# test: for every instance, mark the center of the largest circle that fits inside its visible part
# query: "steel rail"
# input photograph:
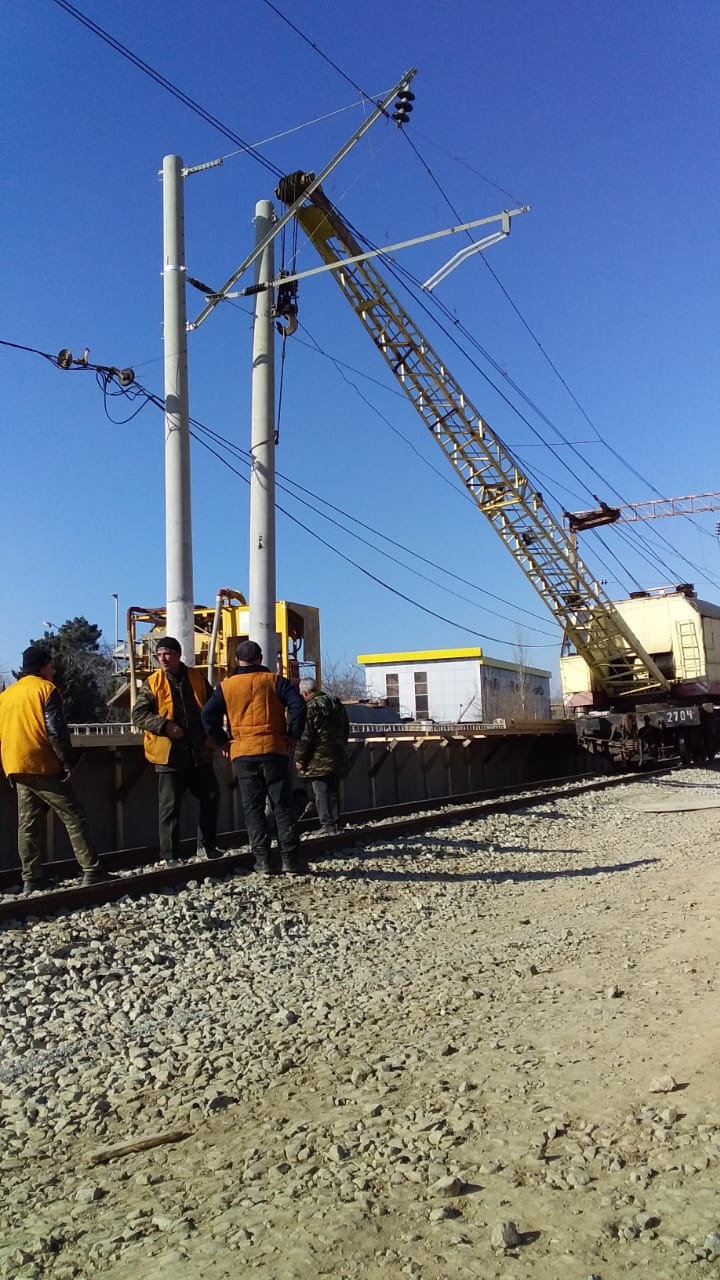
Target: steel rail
(394, 820)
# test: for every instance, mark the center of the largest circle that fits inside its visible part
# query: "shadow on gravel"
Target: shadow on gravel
(447, 877)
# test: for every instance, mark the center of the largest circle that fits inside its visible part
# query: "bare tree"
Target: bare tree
(343, 680)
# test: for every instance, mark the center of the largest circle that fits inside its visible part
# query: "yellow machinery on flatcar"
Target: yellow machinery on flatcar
(217, 632)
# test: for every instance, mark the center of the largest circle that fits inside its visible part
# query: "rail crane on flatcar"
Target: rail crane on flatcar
(648, 709)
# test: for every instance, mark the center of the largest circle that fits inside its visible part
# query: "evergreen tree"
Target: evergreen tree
(84, 673)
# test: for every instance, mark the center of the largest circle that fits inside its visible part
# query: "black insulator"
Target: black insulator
(403, 106)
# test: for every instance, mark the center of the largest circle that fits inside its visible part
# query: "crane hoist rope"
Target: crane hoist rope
(620, 665)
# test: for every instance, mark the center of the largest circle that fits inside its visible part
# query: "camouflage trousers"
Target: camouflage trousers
(36, 793)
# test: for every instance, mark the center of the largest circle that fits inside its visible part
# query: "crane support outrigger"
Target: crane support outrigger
(621, 667)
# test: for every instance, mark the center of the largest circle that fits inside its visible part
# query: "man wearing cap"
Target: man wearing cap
(265, 714)
(168, 709)
(37, 757)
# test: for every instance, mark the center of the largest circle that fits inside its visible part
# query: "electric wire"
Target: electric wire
(137, 390)
(104, 376)
(361, 568)
(168, 85)
(174, 89)
(325, 56)
(448, 480)
(290, 485)
(251, 149)
(654, 533)
(464, 163)
(330, 61)
(276, 137)
(402, 274)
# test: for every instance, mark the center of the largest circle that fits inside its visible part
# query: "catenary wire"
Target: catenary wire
(209, 118)
(307, 124)
(174, 89)
(366, 572)
(288, 486)
(655, 533)
(400, 274)
(168, 85)
(137, 390)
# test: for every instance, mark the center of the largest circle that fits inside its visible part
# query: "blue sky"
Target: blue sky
(602, 117)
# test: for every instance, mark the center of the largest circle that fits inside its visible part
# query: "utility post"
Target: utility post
(116, 598)
(262, 577)
(178, 526)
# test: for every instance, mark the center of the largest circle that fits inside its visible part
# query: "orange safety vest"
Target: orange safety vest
(157, 746)
(24, 743)
(256, 715)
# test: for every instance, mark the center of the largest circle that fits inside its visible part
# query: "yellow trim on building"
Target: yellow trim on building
(442, 655)
(420, 655)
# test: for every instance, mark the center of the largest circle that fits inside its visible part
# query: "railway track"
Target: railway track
(363, 828)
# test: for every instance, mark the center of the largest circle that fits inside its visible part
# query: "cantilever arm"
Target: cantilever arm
(476, 247)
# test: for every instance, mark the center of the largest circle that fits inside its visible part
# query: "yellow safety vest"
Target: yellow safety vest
(157, 746)
(24, 743)
(258, 726)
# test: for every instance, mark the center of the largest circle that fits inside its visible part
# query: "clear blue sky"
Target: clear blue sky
(602, 117)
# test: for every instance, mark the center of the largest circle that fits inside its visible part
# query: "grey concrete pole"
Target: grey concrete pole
(178, 526)
(262, 579)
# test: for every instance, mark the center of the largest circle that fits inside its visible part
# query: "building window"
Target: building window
(392, 692)
(421, 695)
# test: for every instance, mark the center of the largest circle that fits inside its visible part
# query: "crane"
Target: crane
(655, 509)
(621, 667)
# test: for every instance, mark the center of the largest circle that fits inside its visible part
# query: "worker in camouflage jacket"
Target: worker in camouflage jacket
(321, 755)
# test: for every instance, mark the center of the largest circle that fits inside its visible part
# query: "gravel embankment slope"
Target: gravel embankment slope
(509, 1020)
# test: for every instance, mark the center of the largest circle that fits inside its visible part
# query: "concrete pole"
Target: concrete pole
(178, 526)
(262, 584)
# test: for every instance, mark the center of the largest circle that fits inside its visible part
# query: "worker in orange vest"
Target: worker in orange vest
(168, 709)
(265, 715)
(38, 759)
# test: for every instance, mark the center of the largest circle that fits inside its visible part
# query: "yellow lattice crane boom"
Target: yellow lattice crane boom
(620, 665)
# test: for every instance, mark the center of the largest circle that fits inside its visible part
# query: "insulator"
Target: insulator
(64, 358)
(125, 377)
(403, 106)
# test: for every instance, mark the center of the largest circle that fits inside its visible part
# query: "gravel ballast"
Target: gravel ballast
(486, 1051)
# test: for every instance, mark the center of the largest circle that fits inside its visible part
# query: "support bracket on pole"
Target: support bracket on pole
(476, 247)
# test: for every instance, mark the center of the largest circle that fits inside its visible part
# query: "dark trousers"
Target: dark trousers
(325, 791)
(172, 785)
(36, 793)
(261, 779)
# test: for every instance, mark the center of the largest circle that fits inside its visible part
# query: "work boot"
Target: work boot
(264, 865)
(294, 864)
(96, 875)
(211, 853)
(171, 861)
(37, 884)
(329, 829)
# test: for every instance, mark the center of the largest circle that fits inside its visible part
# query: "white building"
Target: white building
(456, 685)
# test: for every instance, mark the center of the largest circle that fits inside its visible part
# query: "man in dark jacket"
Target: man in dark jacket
(37, 757)
(168, 709)
(265, 714)
(321, 754)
